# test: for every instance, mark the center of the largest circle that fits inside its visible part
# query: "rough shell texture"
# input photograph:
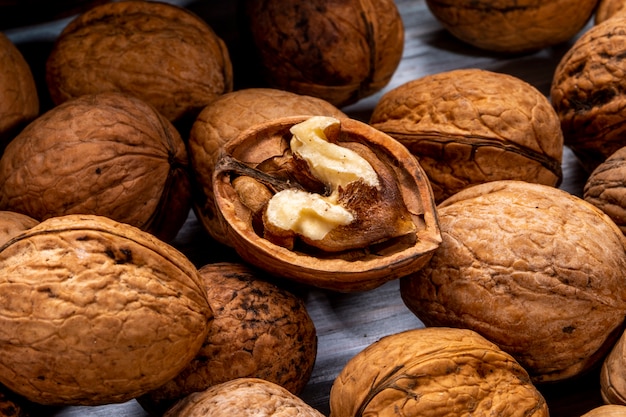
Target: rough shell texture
(95, 311)
(609, 410)
(339, 51)
(609, 8)
(349, 270)
(513, 26)
(434, 372)
(613, 374)
(12, 224)
(260, 331)
(19, 100)
(159, 52)
(588, 93)
(470, 126)
(605, 187)
(532, 268)
(224, 119)
(245, 397)
(107, 154)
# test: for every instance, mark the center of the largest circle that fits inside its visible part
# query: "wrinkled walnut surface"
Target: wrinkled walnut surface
(434, 372)
(609, 8)
(470, 126)
(608, 410)
(12, 224)
(532, 268)
(613, 374)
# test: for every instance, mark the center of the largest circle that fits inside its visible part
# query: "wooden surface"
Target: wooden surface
(347, 323)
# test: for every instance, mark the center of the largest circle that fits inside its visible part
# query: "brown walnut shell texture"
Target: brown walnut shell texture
(609, 8)
(532, 268)
(12, 224)
(259, 331)
(434, 372)
(513, 26)
(338, 51)
(470, 126)
(94, 311)
(108, 154)
(19, 100)
(224, 119)
(608, 410)
(587, 92)
(161, 53)
(245, 397)
(613, 374)
(351, 270)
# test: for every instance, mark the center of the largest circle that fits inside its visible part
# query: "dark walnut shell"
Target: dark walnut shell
(513, 26)
(532, 268)
(95, 311)
(224, 119)
(12, 224)
(338, 51)
(588, 93)
(608, 410)
(471, 126)
(259, 331)
(406, 200)
(108, 154)
(161, 53)
(434, 372)
(244, 397)
(609, 8)
(19, 100)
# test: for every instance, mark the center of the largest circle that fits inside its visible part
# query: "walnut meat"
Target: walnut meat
(471, 126)
(434, 372)
(513, 26)
(259, 331)
(530, 267)
(108, 154)
(95, 311)
(161, 53)
(338, 51)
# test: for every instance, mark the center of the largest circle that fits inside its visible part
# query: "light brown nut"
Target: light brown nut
(532, 268)
(108, 154)
(94, 311)
(587, 92)
(224, 119)
(245, 397)
(613, 374)
(513, 26)
(609, 410)
(19, 100)
(338, 51)
(609, 8)
(161, 53)
(470, 126)
(12, 224)
(260, 331)
(434, 372)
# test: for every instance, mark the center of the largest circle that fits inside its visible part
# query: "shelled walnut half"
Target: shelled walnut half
(335, 204)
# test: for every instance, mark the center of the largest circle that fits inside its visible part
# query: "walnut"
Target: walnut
(532, 268)
(608, 410)
(612, 374)
(107, 154)
(12, 224)
(609, 8)
(434, 372)
(470, 126)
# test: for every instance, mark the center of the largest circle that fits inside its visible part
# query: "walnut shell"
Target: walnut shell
(608, 410)
(224, 119)
(108, 154)
(338, 51)
(612, 374)
(159, 52)
(12, 224)
(356, 269)
(260, 331)
(470, 126)
(245, 397)
(19, 100)
(95, 311)
(609, 8)
(434, 372)
(513, 26)
(532, 268)
(587, 93)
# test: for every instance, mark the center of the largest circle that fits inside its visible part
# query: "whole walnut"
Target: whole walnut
(513, 26)
(159, 52)
(224, 119)
(613, 374)
(470, 126)
(259, 331)
(19, 100)
(609, 8)
(108, 154)
(12, 224)
(435, 372)
(587, 92)
(532, 268)
(339, 51)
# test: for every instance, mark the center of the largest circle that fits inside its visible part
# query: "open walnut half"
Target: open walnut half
(332, 203)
